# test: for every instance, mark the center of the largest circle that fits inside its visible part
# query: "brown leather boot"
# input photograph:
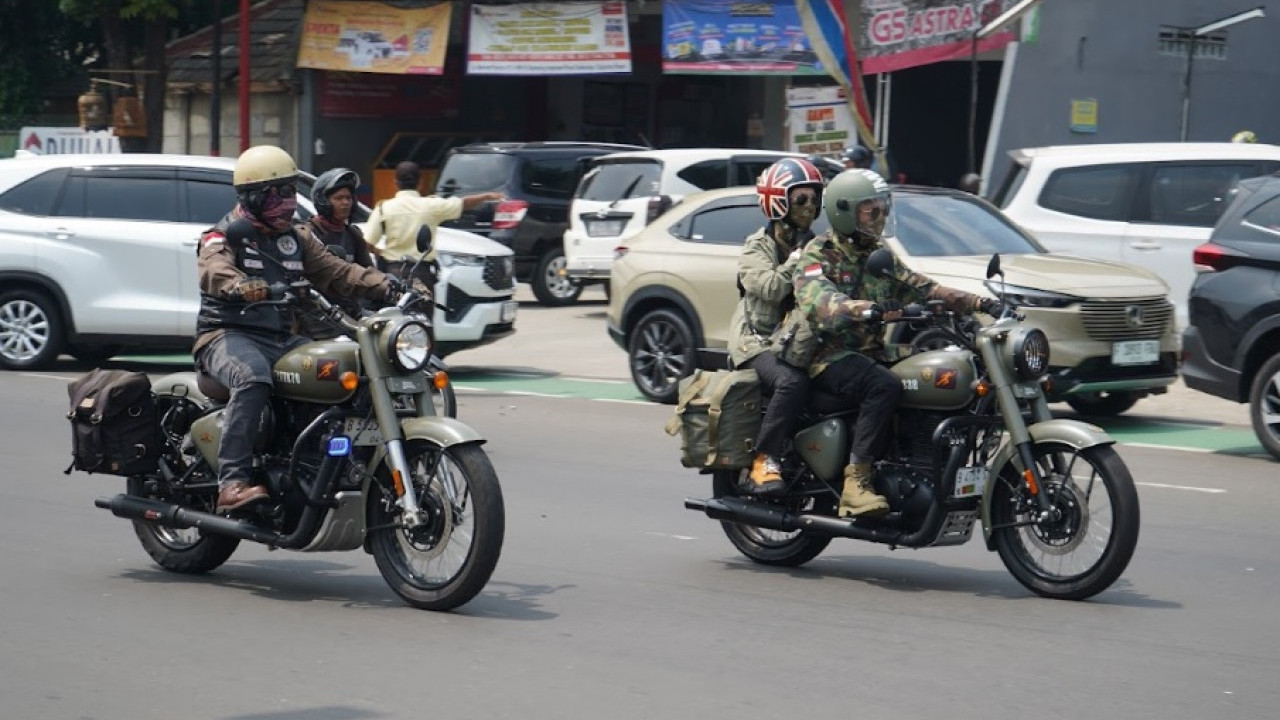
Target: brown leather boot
(236, 495)
(858, 499)
(766, 475)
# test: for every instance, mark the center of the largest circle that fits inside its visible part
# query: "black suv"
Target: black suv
(538, 179)
(1231, 347)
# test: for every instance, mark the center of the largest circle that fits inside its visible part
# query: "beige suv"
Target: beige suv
(1110, 325)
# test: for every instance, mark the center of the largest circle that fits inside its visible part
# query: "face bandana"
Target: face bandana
(277, 212)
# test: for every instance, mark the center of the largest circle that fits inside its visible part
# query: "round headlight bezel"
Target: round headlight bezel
(1029, 350)
(406, 363)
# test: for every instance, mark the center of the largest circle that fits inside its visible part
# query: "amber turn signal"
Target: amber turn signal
(982, 388)
(349, 380)
(440, 380)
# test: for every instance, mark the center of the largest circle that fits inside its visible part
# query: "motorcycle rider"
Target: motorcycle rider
(789, 193)
(333, 196)
(238, 341)
(856, 156)
(833, 290)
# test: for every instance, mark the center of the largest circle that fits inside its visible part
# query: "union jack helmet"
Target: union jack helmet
(778, 179)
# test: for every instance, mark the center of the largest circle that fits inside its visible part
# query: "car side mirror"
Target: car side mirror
(880, 263)
(424, 239)
(241, 233)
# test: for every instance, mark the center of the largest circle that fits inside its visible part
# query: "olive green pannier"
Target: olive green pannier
(718, 417)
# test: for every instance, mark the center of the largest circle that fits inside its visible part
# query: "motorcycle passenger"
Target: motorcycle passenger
(333, 196)
(856, 156)
(789, 193)
(237, 342)
(833, 290)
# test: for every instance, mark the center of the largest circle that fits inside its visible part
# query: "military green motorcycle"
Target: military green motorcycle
(354, 453)
(974, 440)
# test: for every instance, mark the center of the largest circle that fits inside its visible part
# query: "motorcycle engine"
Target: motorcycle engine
(915, 438)
(908, 491)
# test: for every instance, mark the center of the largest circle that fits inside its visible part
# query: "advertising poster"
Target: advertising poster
(580, 38)
(819, 121)
(713, 37)
(899, 34)
(374, 37)
(67, 141)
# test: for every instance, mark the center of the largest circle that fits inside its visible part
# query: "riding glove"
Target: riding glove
(251, 290)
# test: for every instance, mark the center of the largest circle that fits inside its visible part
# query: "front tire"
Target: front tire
(1103, 404)
(767, 547)
(1086, 547)
(445, 561)
(551, 285)
(186, 551)
(1264, 405)
(32, 333)
(660, 352)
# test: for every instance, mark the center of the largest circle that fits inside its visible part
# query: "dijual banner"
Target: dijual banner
(898, 34)
(374, 37)
(549, 39)
(819, 121)
(717, 37)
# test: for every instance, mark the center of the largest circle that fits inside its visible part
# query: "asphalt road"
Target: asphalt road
(611, 600)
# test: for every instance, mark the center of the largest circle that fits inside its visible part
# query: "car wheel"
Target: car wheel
(551, 285)
(660, 352)
(1102, 404)
(1264, 405)
(31, 334)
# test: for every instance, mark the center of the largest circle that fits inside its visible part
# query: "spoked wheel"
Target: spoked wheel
(446, 560)
(186, 550)
(1088, 541)
(772, 547)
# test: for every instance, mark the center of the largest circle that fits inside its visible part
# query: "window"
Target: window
(706, 175)
(1266, 216)
(1101, 192)
(1192, 194)
(469, 173)
(620, 181)
(1012, 184)
(35, 196)
(726, 225)
(550, 177)
(122, 198)
(745, 172)
(208, 202)
(943, 225)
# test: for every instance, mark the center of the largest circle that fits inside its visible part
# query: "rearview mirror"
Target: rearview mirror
(880, 263)
(424, 239)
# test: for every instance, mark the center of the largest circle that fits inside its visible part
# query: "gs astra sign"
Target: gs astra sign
(67, 140)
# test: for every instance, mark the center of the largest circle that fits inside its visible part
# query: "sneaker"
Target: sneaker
(766, 475)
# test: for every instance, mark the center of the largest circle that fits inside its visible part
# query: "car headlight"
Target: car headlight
(409, 346)
(450, 259)
(1031, 297)
(1029, 351)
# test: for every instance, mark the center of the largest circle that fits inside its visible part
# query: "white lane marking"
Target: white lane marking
(1154, 446)
(669, 535)
(1181, 487)
(48, 377)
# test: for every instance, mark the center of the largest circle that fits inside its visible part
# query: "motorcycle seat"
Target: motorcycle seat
(211, 388)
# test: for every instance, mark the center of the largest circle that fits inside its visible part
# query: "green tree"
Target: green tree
(38, 48)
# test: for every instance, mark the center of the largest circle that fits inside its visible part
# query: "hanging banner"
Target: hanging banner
(719, 37)
(819, 121)
(580, 38)
(898, 34)
(827, 25)
(67, 141)
(373, 37)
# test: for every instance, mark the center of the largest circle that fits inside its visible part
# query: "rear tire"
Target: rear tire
(32, 333)
(550, 285)
(186, 551)
(1103, 404)
(767, 547)
(1264, 405)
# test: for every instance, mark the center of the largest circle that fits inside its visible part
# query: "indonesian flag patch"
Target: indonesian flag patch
(813, 270)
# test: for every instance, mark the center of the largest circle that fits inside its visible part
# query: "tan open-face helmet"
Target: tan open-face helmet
(263, 165)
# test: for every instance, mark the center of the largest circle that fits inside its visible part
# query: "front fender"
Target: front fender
(1073, 433)
(436, 429)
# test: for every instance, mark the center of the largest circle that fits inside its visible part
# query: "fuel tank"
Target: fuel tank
(311, 373)
(937, 379)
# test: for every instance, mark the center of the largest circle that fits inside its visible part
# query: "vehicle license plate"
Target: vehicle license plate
(1135, 352)
(362, 431)
(971, 481)
(604, 228)
(508, 313)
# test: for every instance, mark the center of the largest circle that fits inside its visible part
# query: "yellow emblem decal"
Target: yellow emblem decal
(926, 374)
(307, 362)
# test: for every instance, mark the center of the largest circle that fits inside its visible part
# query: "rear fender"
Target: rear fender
(181, 384)
(1072, 433)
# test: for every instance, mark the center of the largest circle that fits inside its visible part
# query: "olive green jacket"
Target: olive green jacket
(766, 276)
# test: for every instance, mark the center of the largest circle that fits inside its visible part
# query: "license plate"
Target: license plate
(362, 431)
(971, 481)
(508, 313)
(604, 228)
(1135, 352)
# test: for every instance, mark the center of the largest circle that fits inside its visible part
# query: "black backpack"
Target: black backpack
(115, 427)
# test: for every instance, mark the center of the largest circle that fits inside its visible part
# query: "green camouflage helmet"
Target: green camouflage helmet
(846, 192)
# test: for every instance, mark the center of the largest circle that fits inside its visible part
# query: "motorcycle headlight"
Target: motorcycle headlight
(1029, 348)
(409, 347)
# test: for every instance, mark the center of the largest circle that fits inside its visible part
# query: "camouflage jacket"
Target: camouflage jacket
(766, 277)
(833, 290)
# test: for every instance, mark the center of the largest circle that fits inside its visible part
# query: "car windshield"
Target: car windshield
(935, 225)
(620, 180)
(469, 173)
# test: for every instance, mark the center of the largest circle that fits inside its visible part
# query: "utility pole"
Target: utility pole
(1194, 34)
(245, 80)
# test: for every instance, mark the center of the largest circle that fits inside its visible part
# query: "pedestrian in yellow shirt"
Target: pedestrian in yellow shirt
(393, 225)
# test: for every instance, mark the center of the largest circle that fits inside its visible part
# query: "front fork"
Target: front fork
(384, 410)
(1011, 410)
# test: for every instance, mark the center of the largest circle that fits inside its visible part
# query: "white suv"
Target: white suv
(622, 193)
(1148, 204)
(98, 258)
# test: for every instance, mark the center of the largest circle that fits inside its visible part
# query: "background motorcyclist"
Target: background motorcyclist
(856, 156)
(238, 341)
(834, 289)
(334, 196)
(789, 192)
